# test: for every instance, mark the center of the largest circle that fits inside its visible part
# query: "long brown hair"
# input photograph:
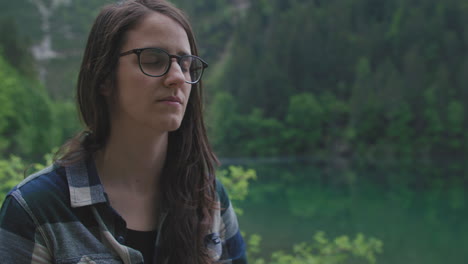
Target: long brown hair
(188, 180)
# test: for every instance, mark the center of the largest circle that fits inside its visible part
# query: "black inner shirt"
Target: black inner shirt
(142, 241)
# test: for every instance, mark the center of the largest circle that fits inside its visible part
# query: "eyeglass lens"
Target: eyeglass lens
(156, 62)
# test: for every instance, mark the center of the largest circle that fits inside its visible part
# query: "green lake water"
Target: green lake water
(419, 211)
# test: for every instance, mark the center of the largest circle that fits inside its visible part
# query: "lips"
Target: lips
(173, 99)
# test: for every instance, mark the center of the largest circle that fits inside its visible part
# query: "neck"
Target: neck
(131, 161)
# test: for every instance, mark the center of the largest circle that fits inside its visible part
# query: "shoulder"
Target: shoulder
(222, 195)
(26, 208)
(43, 186)
(51, 175)
(40, 195)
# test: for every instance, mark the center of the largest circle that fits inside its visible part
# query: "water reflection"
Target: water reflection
(418, 209)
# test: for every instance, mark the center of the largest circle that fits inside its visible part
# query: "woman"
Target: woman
(138, 185)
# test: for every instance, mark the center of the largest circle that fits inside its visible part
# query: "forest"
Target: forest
(355, 82)
(290, 78)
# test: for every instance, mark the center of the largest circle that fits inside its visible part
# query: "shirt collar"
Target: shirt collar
(84, 184)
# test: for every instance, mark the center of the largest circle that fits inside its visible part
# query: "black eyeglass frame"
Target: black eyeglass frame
(177, 57)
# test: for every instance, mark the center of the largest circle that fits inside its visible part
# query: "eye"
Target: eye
(185, 63)
(154, 61)
(151, 58)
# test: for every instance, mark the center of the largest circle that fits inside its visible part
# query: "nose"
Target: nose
(175, 76)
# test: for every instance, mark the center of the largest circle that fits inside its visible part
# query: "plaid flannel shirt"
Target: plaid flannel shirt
(62, 215)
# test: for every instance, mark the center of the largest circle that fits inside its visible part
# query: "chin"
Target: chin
(172, 125)
(173, 129)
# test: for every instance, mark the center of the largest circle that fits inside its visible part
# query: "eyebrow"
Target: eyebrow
(180, 53)
(183, 53)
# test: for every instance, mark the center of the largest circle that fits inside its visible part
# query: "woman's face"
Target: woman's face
(144, 102)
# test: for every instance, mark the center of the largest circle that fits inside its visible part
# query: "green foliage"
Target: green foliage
(253, 244)
(236, 180)
(397, 91)
(232, 128)
(223, 123)
(11, 173)
(15, 49)
(66, 121)
(25, 110)
(322, 250)
(30, 123)
(266, 132)
(14, 169)
(376, 79)
(455, 123)
(304, 120)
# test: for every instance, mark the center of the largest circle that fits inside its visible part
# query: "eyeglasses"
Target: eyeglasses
(156, 62)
